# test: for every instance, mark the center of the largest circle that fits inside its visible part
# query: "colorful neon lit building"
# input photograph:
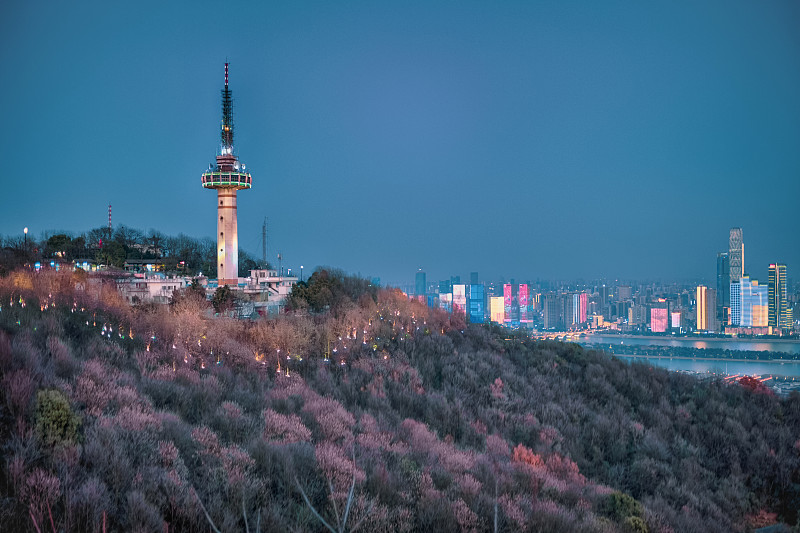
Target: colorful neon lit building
(525, 309)
(579, 303)
(497, 309)
(460, 299)
(659, 316)
(508, 300)
(227, 177)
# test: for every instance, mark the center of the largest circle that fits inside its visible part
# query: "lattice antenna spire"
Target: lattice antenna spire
(227, 117)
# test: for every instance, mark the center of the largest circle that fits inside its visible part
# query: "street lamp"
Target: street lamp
(301, 272)
(25, 231)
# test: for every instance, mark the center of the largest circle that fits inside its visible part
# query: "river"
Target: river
(699, 363)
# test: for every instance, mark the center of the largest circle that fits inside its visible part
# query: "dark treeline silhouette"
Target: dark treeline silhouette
(378, 415)
(180, 254)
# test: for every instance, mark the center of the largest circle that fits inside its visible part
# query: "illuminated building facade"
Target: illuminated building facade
(497, 309)
(702, 310)
(460, 299)
(446, 301)
(753, 302)
(525, 310)
(507, 299)
(659, 316)
(227, 177)
(780, 314)
(579, 303)
(706, 299)
(477, 303)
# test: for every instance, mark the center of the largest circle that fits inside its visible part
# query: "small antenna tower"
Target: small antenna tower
(109, 221)
(280, 263)
(264, 244)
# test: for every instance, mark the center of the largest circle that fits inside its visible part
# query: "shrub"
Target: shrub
(634, 524)
(619, 506)
(55, 422)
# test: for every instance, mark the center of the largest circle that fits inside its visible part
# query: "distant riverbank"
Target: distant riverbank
(694, 338)
(718, 359)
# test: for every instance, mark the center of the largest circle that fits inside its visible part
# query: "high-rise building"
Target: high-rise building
(577, 308)
(711, 305)
(736, 254)
(525, 309)
(723, 287)
(623, 293)
(473, 278)
(550, 311)
(706, 308)
(735, 292)
(749, 304)
(460, 299)
(445, 287)
(603, 294)
(702, 311)
(780, 314)
(420, 283)
(497, 309)
(511, 304)
(476, 303)
(227, 177)
(659, 316)
(675, 320)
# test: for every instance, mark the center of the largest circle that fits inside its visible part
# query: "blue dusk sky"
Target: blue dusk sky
(517, 139)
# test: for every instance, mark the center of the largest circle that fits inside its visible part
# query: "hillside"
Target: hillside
(375, 413)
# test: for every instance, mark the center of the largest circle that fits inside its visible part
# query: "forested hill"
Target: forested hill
(373, 414)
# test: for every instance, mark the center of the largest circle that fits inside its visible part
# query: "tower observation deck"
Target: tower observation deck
(227, 177)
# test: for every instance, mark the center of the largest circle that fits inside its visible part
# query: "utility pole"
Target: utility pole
(264, 244)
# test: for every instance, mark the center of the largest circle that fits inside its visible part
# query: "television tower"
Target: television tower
(227, 177)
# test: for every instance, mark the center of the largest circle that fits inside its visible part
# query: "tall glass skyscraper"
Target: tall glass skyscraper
(736, 303)
(723, 287)
(780, 314)
(736, 254)
(420, 284)
(476, 303)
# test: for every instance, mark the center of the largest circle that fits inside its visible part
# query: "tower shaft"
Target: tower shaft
(227, 238)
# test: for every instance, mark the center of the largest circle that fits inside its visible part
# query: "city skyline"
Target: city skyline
(519, 141)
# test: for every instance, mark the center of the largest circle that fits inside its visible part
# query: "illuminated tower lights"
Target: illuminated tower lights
(227, 177)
